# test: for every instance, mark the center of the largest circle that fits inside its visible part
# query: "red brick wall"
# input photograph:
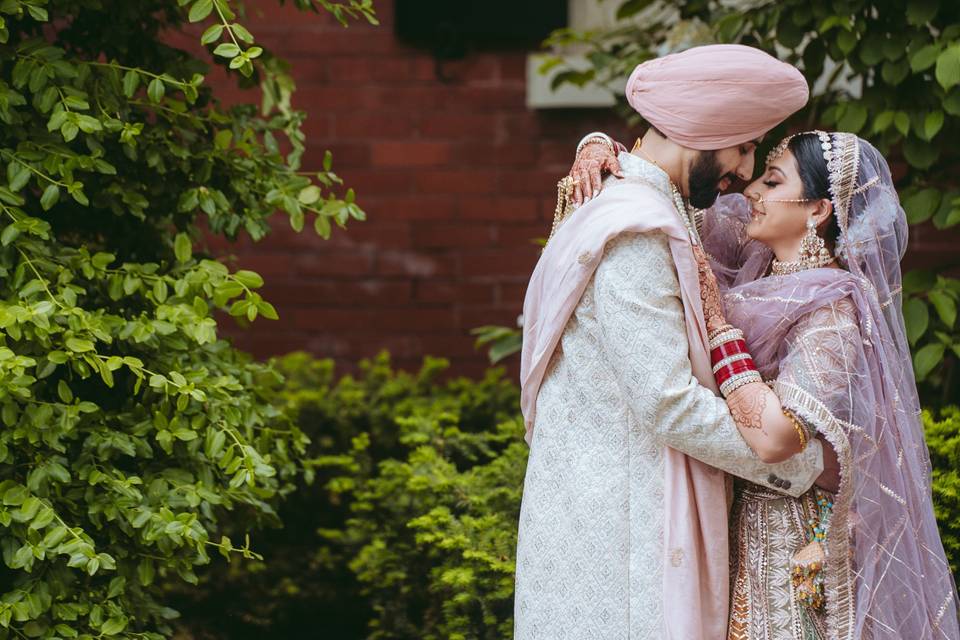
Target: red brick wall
(456, 179)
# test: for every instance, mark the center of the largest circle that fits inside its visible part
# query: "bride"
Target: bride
(806, 269)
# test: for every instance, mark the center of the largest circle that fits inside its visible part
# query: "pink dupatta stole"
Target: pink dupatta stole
(695, 563)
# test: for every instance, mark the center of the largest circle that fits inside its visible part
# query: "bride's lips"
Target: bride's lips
(756, 215)
(724, 184)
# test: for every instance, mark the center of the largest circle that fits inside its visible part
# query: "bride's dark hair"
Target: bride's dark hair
(813, 172)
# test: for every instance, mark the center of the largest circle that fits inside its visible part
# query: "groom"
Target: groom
(623, 528)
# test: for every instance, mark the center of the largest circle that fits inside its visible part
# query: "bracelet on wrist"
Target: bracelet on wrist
(798, 426)
(595, 137)
(739, 380)
(724, 327)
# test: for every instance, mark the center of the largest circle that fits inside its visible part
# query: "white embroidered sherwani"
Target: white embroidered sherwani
(618, 391)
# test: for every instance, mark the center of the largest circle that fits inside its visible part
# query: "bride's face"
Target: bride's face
(780, 212)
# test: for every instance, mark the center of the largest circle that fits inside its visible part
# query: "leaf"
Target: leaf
(222, 139)
(249, 279)
(919, 153)
(9, 234)
(200, 10)
(916, 316)
(920, 12)
(160, 290)
(309, 195)
(69, 131)
(63, 390)
(131, 80)
(846, 41)
(932, 124)
(924, 58)
(76, 192)
(212, 34)
(267, 310)
(948, 67)
(113, 626)
(946, 307)
(893, 72)
(922, 204)
(241, 33)
(951, 104)
(79, 345)
(926, 359)
(322, 226)
(853, 118)
(50, 196)
(117, 586)
(296, 220)
(227, 50)
(156, 90)
(902, 122)
(883, 122)
(37, 13)
(18, 174)
(146, 571)
(182, 248)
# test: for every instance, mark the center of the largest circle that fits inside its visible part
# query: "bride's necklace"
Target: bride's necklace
(795, 266)
(694, 222)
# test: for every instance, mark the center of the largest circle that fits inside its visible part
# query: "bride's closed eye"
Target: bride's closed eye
(771, 183)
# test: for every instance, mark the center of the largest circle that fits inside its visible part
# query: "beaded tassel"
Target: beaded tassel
(807, 572)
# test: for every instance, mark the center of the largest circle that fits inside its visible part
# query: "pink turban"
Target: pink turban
(716, 96)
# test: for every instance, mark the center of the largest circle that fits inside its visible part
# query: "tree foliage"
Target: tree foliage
(130, 430)
(888, 70)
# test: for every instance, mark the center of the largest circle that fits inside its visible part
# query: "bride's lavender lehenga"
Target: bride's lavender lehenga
(832, 343)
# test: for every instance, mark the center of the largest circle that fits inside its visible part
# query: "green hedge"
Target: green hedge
(943, 438)
(405, 523)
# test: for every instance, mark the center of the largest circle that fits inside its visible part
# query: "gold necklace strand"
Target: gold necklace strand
(795, 266)
(564, 192)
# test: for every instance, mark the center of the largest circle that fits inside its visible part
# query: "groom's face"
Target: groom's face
(712, 172)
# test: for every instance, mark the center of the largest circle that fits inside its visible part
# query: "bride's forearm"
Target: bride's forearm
(772, 434)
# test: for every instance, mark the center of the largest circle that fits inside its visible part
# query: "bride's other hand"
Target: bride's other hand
(709, 291)
(587, 171)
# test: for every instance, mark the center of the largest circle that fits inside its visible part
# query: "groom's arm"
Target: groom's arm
(644, 339)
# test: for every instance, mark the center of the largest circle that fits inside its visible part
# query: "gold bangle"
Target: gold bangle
(801, 433)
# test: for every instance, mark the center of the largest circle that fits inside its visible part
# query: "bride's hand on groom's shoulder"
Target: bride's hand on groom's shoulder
(593, 161)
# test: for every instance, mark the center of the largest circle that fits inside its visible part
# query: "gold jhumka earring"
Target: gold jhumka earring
(813, 254)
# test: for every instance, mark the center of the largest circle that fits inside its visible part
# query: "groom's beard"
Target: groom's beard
(705, 173)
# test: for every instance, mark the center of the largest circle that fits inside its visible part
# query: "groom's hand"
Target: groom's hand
(829, 480)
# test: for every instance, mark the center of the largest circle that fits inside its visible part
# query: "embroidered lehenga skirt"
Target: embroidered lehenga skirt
(767, 530)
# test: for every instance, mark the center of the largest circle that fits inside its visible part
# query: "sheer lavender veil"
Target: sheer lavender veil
(887, 576)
